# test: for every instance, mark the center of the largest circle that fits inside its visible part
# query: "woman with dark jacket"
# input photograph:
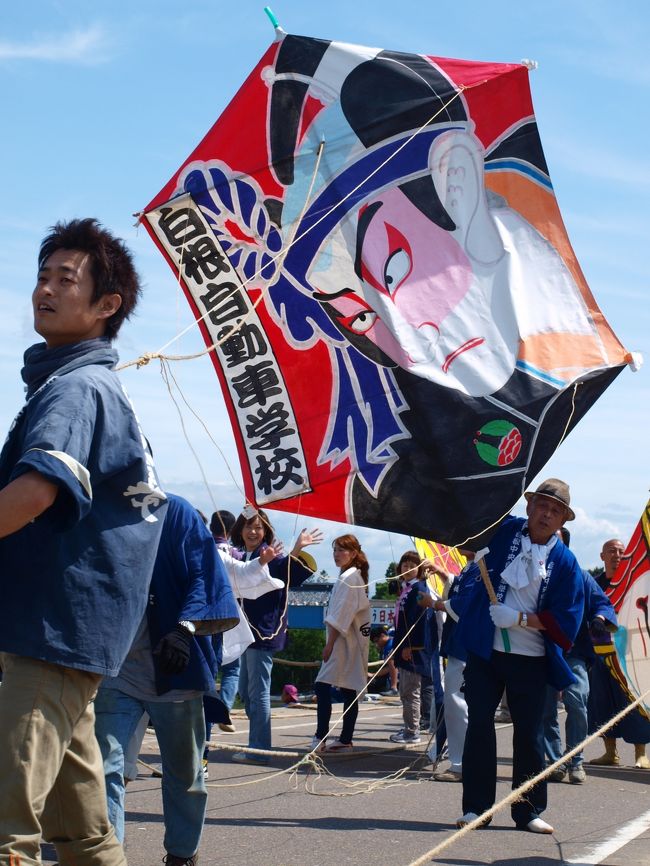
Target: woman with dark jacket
(267, 617)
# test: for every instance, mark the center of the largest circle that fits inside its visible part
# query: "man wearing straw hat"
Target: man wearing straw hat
(515, 643)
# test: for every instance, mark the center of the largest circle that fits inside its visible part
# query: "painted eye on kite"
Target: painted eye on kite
(398, 266)
(362, 322)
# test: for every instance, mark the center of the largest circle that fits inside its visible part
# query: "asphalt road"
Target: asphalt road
(367, 807)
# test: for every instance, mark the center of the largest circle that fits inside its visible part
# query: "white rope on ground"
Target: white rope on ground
(518, 792)
(312, 759)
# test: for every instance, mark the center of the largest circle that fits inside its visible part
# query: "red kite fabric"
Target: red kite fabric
(629, 592)
(373, 240)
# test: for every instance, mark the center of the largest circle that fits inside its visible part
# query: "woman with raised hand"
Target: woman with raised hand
(345, 657)
(267, 617)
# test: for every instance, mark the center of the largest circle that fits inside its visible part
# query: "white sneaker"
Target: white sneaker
(538, 826)
(338, 746)
(466, 819)
(317, 745)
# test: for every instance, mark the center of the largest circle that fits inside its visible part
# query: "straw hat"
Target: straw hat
(554, 489)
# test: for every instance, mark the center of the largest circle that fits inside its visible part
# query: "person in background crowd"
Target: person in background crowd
(169, 667)
(455, 706)
(410, 639)
(345, 655)
(289, 696)
(267, 617)
(221, 524)
(249, 579)
(382, 638)
(609, 692)
(598, 618)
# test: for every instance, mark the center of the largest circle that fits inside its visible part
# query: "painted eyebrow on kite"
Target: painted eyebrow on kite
(325, 297)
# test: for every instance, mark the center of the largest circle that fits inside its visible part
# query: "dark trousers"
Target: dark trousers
(324, 711)
(524, 680)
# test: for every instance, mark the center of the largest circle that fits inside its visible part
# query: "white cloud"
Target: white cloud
(88, 46)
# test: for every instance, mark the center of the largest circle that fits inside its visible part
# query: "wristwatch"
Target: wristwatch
(523, 622)
(185, 623)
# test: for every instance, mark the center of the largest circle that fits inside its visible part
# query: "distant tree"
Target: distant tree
(596, 571)
(304, 645)
(382, 588)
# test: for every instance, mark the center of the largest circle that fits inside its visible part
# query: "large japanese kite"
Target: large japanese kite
(405, 335)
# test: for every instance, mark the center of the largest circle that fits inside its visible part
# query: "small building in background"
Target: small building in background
(308, 602)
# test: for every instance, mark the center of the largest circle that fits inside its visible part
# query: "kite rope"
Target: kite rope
(530, 783)
(168, 375)
(145, 358)
(312, 757)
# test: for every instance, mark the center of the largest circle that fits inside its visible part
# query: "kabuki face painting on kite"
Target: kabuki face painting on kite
(419, 302)
(390, 232)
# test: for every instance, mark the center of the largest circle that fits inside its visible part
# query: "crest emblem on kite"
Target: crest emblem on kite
(371, 242)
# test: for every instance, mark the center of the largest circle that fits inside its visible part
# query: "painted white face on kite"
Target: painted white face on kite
(421, 294)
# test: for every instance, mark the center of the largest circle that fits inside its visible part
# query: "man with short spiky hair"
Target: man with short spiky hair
(80, 518)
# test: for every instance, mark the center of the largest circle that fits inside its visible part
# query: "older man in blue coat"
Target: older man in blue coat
(516, 645)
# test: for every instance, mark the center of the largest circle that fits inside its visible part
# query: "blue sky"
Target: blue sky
(102, 101)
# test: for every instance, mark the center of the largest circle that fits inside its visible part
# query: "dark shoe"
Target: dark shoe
(448, 776)
(577, 775)
(227, 728)
(405, 737)
(557, 775)
(173, 860)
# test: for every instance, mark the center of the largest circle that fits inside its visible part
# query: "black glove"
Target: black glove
(173, 651)
(599, 632)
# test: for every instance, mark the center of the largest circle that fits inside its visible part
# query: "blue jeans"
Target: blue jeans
(180, 729)
(575, 699)
(255, 690)
(229, 682)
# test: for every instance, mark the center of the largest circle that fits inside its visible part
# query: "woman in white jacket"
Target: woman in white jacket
(345, 657)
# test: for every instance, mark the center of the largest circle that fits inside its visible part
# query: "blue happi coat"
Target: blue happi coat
(189, 582)
(74, 581)
(559, 605)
